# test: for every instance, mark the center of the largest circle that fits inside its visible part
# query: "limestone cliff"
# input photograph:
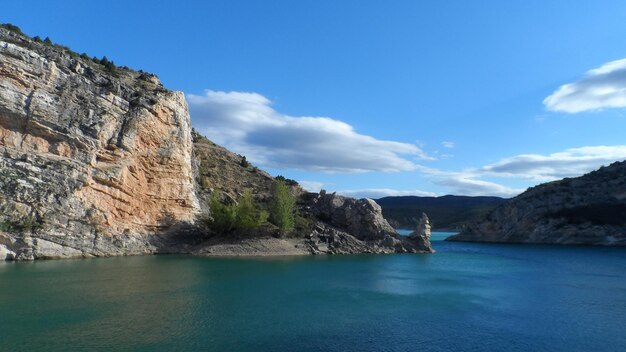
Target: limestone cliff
(98, 160)
(93, 160)
(590, 209)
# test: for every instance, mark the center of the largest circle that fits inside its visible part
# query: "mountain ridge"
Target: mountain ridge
(447, 212)
(589, 209)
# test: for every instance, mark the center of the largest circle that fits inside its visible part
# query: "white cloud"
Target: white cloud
(376, 193)
(568, 163)
(472, 187)
(448, 144)
(532, 168)
(247, 124)
(600, 88)
(311, 186)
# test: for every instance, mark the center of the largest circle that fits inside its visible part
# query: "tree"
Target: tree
(244, 162)
(47, 41)
(283, 209)
(288, 181)
(12, 27)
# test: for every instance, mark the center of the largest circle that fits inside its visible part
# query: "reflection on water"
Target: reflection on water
(465, 297)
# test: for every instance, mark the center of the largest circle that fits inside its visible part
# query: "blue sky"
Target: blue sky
(375, 98)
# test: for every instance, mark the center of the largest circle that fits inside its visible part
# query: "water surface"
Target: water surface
(466, 297)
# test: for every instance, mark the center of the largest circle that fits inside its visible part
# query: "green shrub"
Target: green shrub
(11, 27)
(108, 65)
(248, 217)
(28, 224)
(228, 217)
(244, 162)
(223, 216)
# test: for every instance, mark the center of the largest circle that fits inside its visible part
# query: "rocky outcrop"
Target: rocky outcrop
(92, 161)
(362, 219)
(590, 209)
(423, 230)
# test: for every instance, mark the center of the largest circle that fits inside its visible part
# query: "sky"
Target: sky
(376, 98)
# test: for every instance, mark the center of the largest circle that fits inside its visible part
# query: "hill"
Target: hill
(446, 212)
(590, 209)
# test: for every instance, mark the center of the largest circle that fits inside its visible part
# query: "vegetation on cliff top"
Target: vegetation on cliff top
(107, 64)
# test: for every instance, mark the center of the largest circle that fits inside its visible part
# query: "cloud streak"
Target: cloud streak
(246, 123)
(376, 193)
(568, 163)
(465, 185)
(601, 88)
(448, 144)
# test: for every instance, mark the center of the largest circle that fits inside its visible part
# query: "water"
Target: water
(467, 297)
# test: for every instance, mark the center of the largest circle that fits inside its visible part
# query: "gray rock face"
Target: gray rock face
(362, 220)
(361, 217)
(590, 209)
(92, 162)
(423, 229)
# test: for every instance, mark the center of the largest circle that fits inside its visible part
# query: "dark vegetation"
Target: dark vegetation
(597, 214)
(107, 64)
(447, 212)
(244, 162)
(287, 181)
(28, 225)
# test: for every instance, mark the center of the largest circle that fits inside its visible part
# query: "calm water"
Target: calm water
(467, 297)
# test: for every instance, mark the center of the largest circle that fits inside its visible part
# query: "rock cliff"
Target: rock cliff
(590, 209)
(97, 160)
(93, 160)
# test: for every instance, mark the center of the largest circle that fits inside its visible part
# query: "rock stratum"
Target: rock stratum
(589, 210)
(97, 161)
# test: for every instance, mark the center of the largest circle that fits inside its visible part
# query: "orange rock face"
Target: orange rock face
(86, 152)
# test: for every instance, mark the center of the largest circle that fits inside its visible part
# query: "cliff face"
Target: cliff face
(93, 160)
(590, 209)
(100, 161)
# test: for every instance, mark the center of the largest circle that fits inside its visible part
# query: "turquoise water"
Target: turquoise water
(467, 297)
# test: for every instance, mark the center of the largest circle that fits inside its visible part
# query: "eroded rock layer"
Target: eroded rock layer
(94, 160)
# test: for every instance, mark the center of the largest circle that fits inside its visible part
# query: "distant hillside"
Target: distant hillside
(590, 209)
(447, 212)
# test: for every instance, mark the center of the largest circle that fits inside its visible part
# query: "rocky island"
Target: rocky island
(99, 160)
(589, 210)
